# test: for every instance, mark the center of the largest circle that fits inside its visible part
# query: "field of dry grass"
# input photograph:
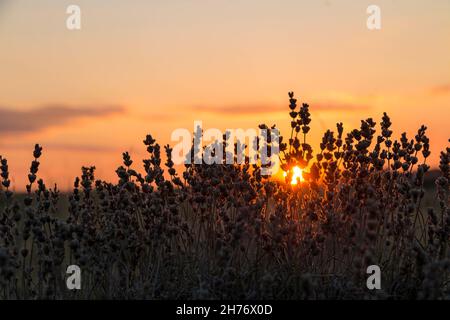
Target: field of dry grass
(230, 232)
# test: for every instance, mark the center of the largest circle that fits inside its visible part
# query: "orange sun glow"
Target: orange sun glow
(297, 175)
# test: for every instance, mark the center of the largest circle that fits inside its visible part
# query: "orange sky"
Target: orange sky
(139, 67)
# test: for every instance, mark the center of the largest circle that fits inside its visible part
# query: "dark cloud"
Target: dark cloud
(255, 109)
(18, 121)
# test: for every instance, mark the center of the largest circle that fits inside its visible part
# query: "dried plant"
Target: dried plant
(229, 232)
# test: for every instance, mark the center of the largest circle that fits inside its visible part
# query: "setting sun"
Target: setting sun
(198, 152)
(297, 175)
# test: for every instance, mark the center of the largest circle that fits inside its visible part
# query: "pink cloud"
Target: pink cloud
(18, 121)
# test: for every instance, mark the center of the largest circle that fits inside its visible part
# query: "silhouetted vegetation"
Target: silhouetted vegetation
(228, 232)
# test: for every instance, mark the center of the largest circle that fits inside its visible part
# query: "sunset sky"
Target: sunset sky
(139, 67)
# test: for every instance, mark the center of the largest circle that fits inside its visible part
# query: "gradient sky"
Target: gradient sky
(140, 67)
